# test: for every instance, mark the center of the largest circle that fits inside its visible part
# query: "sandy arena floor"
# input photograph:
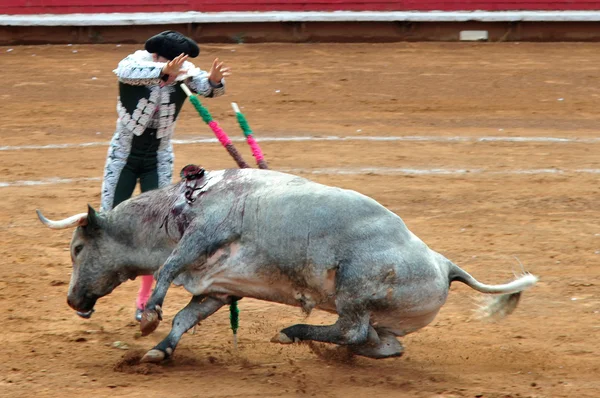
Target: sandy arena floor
(472, 163)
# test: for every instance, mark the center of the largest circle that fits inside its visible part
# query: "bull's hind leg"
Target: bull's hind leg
(199, 308)
(351, 328)
(388, 347)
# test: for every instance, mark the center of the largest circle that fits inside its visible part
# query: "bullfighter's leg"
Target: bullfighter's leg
(143, 295)
(149, 176)
(388, 347)
(199, 308)
(351, 328)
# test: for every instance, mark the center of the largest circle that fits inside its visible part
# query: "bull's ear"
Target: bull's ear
(93, 220)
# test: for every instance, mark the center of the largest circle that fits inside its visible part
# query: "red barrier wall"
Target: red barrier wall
(107, 6)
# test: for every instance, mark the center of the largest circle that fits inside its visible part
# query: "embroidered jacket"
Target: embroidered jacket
(142, 103)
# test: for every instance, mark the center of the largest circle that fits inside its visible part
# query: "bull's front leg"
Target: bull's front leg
(193, 248)
(188, 251)
(199, 308)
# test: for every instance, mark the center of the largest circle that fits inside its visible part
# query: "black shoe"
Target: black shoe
(138, 314)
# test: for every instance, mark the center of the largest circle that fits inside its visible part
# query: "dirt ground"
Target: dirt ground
(471, 163)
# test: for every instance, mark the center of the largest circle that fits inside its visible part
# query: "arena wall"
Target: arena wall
(110, 6)
(131, 21)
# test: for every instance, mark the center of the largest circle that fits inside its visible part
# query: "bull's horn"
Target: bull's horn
(73, 221)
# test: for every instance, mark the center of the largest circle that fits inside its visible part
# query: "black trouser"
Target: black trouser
(141, 164)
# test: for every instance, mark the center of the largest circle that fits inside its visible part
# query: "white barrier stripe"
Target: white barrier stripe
(329, 138)
(343, 171)
(188, 17)
(52, 146)
(48, 181)
(411, 171)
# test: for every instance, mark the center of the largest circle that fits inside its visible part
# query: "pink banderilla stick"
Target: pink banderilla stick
(256, 151)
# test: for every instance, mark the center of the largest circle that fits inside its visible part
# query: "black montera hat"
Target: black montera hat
(170, 44)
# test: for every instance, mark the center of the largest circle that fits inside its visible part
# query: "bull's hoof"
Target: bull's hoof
(388, 347)
(282, 338)
(150, 320)
(154, 356)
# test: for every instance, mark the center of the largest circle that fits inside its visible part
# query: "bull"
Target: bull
(276, 237)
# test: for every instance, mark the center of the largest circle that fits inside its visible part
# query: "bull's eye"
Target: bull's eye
(77, 250)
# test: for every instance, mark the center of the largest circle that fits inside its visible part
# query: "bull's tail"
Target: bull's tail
(516, 286)
(509, 293)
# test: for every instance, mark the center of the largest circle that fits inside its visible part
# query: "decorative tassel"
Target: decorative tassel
(234, 320)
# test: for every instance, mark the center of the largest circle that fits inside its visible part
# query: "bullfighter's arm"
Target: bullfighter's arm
(139, 69)
(200, 84)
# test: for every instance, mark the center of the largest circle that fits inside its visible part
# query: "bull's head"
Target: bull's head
(97, 259)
